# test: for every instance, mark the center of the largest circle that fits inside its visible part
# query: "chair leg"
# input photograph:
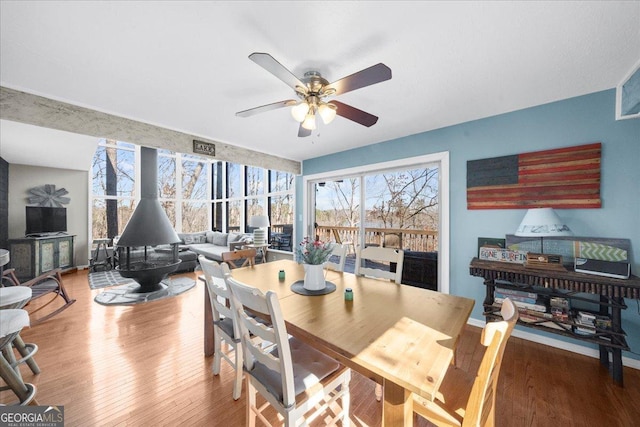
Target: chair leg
(27, 354)
(237, 385)
(251, 403)
(346, 402)
(217, 348)
(26, 393)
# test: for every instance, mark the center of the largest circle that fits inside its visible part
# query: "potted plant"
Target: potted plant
(312, 254)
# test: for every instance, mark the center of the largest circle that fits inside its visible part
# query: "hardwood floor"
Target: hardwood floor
(143, 365)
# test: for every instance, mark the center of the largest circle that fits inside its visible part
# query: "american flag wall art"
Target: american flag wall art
(562, 178)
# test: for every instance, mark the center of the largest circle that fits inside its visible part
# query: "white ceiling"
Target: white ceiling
(36, 146)
(184, 65)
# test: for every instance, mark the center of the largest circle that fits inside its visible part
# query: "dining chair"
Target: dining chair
(247, 256)
(298, 381)
(339, 251)
(376, 260)
(12, 321)
(470, 399)
(225, 327)
(44, 284)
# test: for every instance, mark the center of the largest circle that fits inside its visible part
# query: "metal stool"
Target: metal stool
(95, 261)
(11, 323)
(13, 297)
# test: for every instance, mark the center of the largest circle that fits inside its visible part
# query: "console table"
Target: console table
(608, 293)
(32, 256)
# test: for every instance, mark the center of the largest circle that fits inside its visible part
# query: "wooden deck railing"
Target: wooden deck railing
(401, 238)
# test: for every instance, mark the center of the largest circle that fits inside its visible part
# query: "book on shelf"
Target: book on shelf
(515, 292)
(526, 305)
(583, 331)
(514, 298)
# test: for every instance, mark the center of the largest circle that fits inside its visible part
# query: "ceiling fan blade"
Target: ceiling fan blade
(267, 62)
(353, 114)
(367, 77)
(261, 109)
(302, 132)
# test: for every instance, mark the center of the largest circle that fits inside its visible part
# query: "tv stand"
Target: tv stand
(32, 256)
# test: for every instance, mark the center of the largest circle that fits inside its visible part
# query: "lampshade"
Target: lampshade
(309, 121)
(299, 111)
(327, 112)
(542, 222)
(259, 221)
(4, 257)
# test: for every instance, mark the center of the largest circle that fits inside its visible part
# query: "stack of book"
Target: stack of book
(522, 299)
(585, 323)
(560, 308)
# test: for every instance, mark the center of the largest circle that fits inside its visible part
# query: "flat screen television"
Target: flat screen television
(45, 220)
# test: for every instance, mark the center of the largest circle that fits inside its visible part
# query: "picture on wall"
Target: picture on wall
(562, 178)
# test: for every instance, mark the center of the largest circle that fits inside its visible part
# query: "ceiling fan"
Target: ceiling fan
(313, 91)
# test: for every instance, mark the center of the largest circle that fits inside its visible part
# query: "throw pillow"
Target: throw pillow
(189, 239)
(202, 239)
(219, 239)
(234, 237)
(209, 237)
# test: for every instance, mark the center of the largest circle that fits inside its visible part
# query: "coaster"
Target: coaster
(298, 288)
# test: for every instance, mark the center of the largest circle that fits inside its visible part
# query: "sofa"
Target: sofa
(212, 244)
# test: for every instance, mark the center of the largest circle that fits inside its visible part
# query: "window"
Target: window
(399, 204)
(113, 187)
(197, 193)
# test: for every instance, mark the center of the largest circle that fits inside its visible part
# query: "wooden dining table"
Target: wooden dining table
(401, 336)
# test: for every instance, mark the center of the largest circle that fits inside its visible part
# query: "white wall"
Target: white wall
(23, 178)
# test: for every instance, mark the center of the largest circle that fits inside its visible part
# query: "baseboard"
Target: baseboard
(563, 345)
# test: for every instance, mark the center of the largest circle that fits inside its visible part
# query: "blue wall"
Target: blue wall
(575, 121)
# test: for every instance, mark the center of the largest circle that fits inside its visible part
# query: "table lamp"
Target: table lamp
(542, 222)
(260, 222)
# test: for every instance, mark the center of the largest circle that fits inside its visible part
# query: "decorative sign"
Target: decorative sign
(201, 147)
(47, 196)
(562, 178)
(504, 255)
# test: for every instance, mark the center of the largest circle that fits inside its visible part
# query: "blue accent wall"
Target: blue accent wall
(574, 121)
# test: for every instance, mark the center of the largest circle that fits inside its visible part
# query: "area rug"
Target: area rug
(126, 295)
(104, 279)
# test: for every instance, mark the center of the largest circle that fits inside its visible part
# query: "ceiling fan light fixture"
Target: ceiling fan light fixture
(299, 111)
(327, 112)
(309, 122)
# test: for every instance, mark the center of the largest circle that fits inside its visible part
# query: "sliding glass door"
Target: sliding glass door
(396, 205)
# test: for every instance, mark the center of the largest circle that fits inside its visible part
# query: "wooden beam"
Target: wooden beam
(36, 110)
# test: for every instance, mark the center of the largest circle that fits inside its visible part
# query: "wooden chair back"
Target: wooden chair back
(263, 306)
(339, 251)
(219, 294)
(248, 256)
(480, 408)
(479, 391)
(382, 256)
